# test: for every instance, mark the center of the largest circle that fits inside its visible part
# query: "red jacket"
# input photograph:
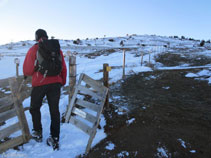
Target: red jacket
(37, 78)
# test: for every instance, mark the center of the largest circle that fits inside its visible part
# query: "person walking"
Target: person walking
(45, 84)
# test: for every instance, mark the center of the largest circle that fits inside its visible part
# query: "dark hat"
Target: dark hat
(40, 33)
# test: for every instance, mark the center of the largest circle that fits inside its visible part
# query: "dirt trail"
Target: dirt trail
(169, 112)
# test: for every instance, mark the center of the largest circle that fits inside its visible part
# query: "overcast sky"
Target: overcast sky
(72, 19)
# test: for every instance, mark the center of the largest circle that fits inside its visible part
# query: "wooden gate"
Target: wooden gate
(12, 107)
(86, 106)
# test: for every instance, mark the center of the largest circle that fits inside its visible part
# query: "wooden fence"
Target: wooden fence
(94, 100)
(11, 106)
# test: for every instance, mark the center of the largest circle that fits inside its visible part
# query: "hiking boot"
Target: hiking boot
(54, 142)
(37, 135)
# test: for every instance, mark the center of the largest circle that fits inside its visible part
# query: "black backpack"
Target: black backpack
(48, 61)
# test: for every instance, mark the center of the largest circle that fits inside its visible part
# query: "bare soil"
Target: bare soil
(167, 109)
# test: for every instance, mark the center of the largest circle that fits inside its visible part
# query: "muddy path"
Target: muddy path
(169, 116)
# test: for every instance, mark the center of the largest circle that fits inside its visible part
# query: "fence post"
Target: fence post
(72, 75)
(142, 55)
(149, 57)
(17, 62)
(105, 81)
(123, 67)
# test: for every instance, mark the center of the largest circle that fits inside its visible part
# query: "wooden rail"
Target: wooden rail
(76, 112)
(10, 107)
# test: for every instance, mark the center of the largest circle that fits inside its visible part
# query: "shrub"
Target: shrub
(111, 40)
(121, 43)
(202, 43)
(176, 37)
(78, 41)
(182, 37)
(208, 41)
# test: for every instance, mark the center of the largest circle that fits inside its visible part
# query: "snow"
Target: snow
(110, 146)
(130, 121)
(73, 141)
(193, 151)
(162, 152)
(182, 143)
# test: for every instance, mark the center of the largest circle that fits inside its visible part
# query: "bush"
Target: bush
(182, 37)
(121, 43)
(208, 41)
(111, 40)
(78, 41)
(202, 43)
(176, 37)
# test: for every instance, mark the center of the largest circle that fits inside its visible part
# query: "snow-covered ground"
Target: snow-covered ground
(73, 141)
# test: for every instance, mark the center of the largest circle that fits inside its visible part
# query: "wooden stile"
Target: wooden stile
(19, 109)
(97, 91)
(9, 107)
(9, 130)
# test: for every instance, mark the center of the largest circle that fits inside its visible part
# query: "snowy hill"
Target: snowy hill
(90, 56)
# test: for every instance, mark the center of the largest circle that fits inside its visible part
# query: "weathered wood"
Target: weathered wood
(85, 115)
(81, 125)
(94, 84)
(11, 143)
(72, 75)
(91, 131)
(149, 58)
(105, 82)
(9, 130)
(94, 129)
(87, 91)
(79, 112)
(7, 115)
(72, 102)
(6, 104)
(87, 104)
(19, 109)
(142, 55)
(123, 66)
(5, 82)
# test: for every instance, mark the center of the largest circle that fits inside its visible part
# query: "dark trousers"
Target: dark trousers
(52, 92)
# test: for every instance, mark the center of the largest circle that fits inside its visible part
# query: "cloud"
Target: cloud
(3, 2)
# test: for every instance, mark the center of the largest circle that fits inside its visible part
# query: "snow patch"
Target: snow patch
(110, 146)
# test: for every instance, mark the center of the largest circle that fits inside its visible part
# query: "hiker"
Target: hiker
(47, 78)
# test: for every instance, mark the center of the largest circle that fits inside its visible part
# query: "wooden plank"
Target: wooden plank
(11, 143)
(19, 109)
(79, 112)
(6, 103)
(88, 105)
(87, 91)
(81, 125)
(9, 130)
(7, 115)
(72, 101)
(4, 82)
(94, 84)
(84, 115)
(94, 129)
(72, 76)
(26, 108)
